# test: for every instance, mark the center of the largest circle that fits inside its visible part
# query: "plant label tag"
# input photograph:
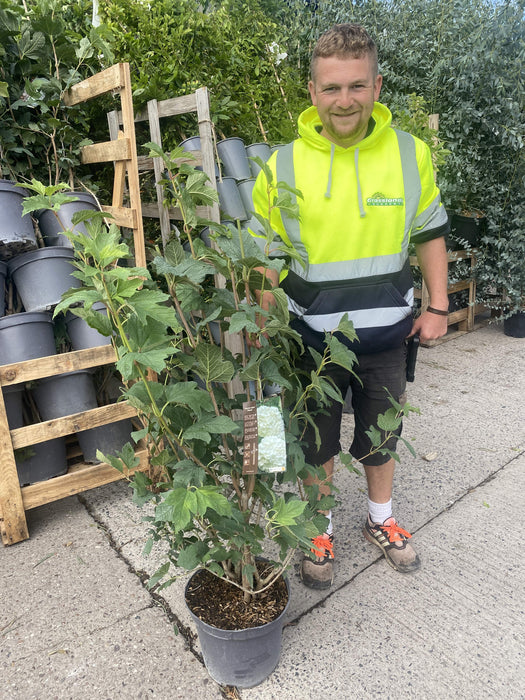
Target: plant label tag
(250, 454)
(270, 436)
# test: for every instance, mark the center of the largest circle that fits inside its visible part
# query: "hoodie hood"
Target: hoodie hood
(310, 126)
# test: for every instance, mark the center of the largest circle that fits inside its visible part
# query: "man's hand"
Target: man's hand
(430, 326)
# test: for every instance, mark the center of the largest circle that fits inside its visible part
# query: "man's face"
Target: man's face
(344, 91)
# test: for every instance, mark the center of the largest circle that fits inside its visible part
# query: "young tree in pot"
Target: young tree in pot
(214, 512)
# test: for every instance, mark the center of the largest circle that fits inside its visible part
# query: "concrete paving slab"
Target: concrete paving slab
(454, 629)
(76, 622)
(136, 657)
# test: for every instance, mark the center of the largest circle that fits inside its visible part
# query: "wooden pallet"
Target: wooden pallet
(465, 318)
(14, 499)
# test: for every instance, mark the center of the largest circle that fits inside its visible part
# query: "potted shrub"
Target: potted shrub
(227, 486)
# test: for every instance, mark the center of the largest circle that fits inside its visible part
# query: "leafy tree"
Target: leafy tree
(45, 47)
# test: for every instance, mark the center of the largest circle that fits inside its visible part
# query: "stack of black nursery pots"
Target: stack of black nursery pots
(40, 275)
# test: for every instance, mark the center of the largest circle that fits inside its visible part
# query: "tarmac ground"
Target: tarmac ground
(77, 620)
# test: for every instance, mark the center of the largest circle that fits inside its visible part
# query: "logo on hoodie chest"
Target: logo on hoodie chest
(380, 200)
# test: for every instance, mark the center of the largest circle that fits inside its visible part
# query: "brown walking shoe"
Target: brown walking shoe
(393, 540)
(318, 573)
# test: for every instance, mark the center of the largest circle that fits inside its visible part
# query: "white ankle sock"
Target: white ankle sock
(379, 512)
(329, 528)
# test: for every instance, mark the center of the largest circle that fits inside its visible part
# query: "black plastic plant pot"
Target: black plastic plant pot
(82, 335)
(514, 326)
(466, 228)
(3, 276)
(74, 392)
(26, 336)
(41, 462)
(52, 225)
(13, 405)
(17, 234)
(42, 276)
(242, 658)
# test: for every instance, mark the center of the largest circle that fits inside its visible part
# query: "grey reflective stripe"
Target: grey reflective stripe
(411, 180)
(354, 269)
(434, 216)
(363, 318)
(378, 317)
(285, 172)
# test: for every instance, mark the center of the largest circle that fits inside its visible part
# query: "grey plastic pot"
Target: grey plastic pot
(13, 405)
(74, 392)
(41, 462)
(82, 335)
(191, 144)
(242, 658)
(17, 234)
(26, 336)
(3, 276)
(52, 227)
(42, 276)
(234, 159)
(230, 202)
(262, 150)
(245, 188)
(276, 147)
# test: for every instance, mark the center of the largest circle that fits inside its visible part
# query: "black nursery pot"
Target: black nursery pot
(242, 658)
(466, 228)
(514, 326)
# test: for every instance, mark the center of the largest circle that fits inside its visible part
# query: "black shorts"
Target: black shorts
(369, 399)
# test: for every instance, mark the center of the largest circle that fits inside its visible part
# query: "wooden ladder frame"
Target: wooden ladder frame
(14, 499)
(155, 111)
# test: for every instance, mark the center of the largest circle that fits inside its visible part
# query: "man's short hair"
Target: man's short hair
(344, 41)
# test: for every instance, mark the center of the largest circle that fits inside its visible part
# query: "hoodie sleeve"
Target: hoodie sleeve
(431, 218)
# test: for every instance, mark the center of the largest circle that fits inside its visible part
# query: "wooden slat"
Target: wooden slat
(76, 482)
(13, 525)
(168, 108)
(52, 365)
(122, 216)
(107, 151)
(76, 422)
(145, 163)
(158, 166)
(150, 211)
(459, 286)
(107, 80)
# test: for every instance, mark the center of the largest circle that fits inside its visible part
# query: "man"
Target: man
(367, 191)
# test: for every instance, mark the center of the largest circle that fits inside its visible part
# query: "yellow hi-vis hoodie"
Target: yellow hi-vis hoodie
(361, 206)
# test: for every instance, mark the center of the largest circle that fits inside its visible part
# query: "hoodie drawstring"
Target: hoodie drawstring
(359, 193)
(328, 192)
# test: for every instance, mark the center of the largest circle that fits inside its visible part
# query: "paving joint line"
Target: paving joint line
(333, 591)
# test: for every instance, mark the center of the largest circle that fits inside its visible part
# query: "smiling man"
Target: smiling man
(368, 190)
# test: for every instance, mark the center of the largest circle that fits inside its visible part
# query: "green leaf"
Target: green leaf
(189, 394)
(286, 512)
(191, 556)
(210, 365)
(389, 421)
(158, 575)
(201, 430)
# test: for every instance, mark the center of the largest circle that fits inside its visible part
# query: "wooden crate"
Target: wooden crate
(465, 318)
(15, 500)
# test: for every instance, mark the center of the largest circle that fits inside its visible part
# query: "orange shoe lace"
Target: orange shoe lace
(323, 546)
(394, 532)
